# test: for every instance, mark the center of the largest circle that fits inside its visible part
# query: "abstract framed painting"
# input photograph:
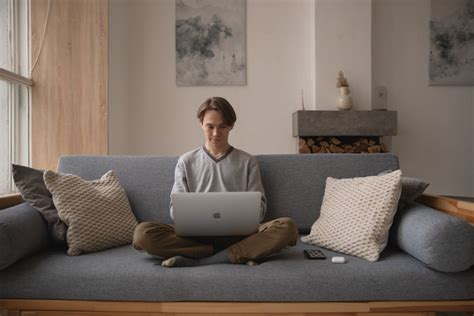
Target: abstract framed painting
(210, 43)
(452, 42)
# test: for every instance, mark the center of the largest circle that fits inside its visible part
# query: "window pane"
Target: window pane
(4, 104)
(14, 131)
(4, 26)
(4, 139)
(14, 98)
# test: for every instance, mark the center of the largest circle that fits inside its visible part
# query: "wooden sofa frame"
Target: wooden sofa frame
(23, 307)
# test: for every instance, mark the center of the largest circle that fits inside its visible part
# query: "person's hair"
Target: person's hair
(220, 105)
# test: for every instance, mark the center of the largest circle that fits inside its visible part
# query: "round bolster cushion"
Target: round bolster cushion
(22, 233)
(441, 241)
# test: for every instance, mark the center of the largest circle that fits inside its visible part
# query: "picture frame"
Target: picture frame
(210, 43)
(452, 43)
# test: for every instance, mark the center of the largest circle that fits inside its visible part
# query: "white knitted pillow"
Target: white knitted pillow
(97, 213)
(356, 215)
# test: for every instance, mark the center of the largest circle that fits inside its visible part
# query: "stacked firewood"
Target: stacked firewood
(329, 144)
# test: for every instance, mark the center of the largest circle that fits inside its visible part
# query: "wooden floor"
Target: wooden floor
(101, 308)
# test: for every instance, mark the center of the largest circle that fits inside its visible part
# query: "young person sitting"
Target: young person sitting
(216, 167)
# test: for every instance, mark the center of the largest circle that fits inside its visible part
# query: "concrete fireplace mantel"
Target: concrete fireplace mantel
(344, 123)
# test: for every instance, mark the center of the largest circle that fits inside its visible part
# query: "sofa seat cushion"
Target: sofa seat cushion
(123, 273)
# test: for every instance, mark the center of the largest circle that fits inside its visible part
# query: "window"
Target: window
(14, 89)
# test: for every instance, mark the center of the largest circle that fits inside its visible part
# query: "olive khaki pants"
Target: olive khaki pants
(160, 240)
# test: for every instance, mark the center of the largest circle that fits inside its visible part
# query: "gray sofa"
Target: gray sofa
(294, 187)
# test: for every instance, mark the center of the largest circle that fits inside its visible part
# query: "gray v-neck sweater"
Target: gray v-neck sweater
(198, 171)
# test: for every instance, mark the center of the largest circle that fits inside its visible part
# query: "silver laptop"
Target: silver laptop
(216, 213)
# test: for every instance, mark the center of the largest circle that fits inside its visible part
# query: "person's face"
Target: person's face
(215, 129)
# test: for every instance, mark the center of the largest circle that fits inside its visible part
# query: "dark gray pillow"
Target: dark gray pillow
(412, 188)
(442, 242)
(22, 233)
(31, 185)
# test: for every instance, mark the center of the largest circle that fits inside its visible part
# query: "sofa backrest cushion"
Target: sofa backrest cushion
(294, 184)
(147, 180)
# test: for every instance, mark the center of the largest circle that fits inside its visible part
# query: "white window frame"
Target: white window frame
(18, 99)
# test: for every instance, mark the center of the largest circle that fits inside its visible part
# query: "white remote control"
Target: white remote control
(338, 260)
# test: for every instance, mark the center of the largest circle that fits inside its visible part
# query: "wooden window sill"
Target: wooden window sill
(9, 200)
(456, 207)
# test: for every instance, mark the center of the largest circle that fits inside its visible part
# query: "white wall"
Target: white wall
(151, 115)
(343, 42)
(435, 130)
(119, 83)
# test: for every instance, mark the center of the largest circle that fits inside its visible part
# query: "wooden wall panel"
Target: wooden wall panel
(70, 92)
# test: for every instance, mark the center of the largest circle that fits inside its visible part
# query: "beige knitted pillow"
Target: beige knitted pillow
(97, 213)
(356, 215)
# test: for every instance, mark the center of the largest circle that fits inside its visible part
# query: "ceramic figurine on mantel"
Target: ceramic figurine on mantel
(344, 100)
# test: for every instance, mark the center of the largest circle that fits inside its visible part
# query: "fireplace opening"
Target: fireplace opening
(341, 144)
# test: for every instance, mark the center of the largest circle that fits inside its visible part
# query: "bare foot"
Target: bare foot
(179, 261)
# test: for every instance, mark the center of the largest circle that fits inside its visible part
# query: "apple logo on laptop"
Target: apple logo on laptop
(216, 215)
